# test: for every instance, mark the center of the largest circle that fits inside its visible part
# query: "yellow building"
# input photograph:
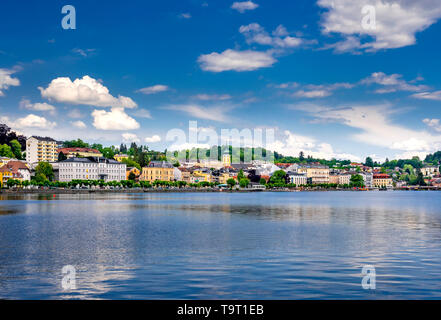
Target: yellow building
(382, 180)
(5, 175)
(41, 149)
(158, 170)
(223, 177)
(316, 174)
(80, 152)
(135, 171)
(120, 157)
(226, 160)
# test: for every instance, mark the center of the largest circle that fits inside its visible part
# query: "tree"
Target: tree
(44, 168)
(61, 156)
(132, 176)
(301, 156)
(244, 182)
(16, 149)
(240, 175)
(262, 181)
(6, 151)
(278, 177)
(369, 162)
(420, 179)
(231, 182)
(131, 163)
(357, 181)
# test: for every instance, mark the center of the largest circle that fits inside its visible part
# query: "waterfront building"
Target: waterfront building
(344, 178)
(158, 170)
(299, 179)
(120, 157)
(367, 178)
(382, 180)
(4, 160)
(201, 175)
(41, 149)
(133, 170)
(91, 168)
(430, 171)
(79, 152)
(333, 178)
(316, 173)
(19, 169)
(182, 174)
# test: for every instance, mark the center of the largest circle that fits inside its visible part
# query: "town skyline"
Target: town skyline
(329, 89)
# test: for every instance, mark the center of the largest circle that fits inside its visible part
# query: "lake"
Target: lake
(271, 245)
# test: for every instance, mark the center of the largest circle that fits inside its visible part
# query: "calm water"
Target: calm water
(222, 246)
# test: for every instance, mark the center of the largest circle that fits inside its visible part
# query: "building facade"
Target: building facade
(382, 180)
(299, 179)
(316, 173)
(79, 152)
(92, 168)
(41, 149)
(158, 170)
(430, 171)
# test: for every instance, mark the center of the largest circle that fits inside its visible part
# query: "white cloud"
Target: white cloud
(85, 91)
(79, 124)
(244, 6)
(84, 52)
(30, 121)
(376, 127)
(75, 113)
(435, 95)
(292, 144)
(207, 97)
(154, 89)
(116, 119)
(397, 22)
(218, 113)
(185, 15)
(391, 83)
(254, 33)
(130, 137)
(7, 81)
(153, 139)
(312, 93)
(24, 103)
(233, 60)
(433, 123)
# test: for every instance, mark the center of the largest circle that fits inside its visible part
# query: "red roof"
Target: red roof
(381, 176)
(73, 150)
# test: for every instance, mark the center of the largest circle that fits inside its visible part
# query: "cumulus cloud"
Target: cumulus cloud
(233, 60)
(244, 6)
(433, 123)
(153, 139)
(397, 22)
(6, 80)
(391, 83)
(79, 124)
(130, 137)
(254, 33)
(217, 113)
(376, 128)
(84, 91)
(25, 103)
(320, 91)
(154, 89)
(30, 121)
(115, 119)
(292, 144)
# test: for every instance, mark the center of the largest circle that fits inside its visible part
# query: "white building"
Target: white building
(41, 149)
(299, 179)
(92, 168)
(368, 178)
(430, 171)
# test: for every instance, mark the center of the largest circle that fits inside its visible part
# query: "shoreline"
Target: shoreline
(99, 191)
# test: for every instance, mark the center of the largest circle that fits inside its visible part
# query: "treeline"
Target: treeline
(11, 144)
(139, 156)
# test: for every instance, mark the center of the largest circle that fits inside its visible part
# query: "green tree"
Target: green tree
(278, 177)
(45, 169)
(132, 176)
(356, 181)
(369, 162)
(131, 163)
(16, 148)
(262, 181)
(6, 151)
(240, 175)
(244, 182)
(231, 182)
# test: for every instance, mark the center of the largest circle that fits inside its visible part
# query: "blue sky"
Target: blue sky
(133, 70)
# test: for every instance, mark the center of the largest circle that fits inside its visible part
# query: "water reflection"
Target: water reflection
(205, 246)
